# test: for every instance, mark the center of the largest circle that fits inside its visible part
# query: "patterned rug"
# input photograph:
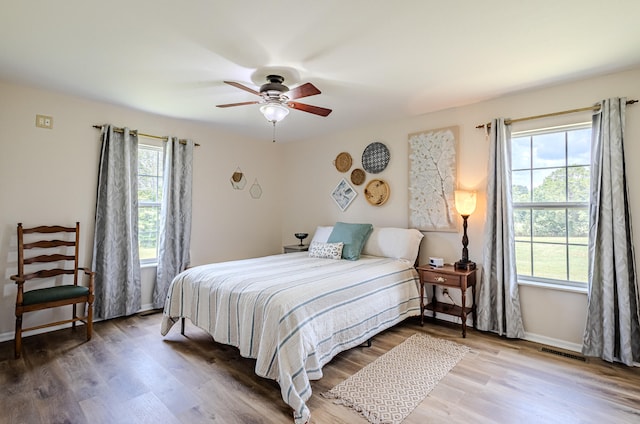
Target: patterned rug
(389, 388)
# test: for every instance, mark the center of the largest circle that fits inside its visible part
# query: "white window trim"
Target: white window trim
(554, 286)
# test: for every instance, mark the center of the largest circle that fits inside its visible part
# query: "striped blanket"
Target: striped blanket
(293, 313)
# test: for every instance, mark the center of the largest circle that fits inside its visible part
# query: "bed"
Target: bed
(294, 312)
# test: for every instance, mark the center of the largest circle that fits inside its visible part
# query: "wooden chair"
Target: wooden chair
(54, 293)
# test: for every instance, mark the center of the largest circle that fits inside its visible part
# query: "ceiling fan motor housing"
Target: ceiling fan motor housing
(274, 88)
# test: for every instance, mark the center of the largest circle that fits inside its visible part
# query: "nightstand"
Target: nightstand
(296, 248)
(448, 277)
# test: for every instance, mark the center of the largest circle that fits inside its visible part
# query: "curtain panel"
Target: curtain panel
(613, 321)
(498, 298)
(175, 220)
(115, 242)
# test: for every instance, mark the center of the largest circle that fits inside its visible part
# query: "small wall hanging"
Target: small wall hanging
(343, 194)
(255, 190)
(357, 176)
(377, 192)
(375, 157)
(238, 180)
(343, 162)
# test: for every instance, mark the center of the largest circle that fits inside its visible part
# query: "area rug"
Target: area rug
(389, 388)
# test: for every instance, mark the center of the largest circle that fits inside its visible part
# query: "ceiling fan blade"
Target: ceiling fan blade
(304, 90)
(238, 104)
(316, 110)
(242, 87)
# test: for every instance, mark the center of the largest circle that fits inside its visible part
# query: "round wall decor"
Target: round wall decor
(357, 176)
(375, 157)
(377, 192)
(343, 162)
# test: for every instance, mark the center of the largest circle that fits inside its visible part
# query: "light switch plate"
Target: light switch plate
(43, 121)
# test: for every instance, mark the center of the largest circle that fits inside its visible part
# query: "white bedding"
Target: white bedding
(293, 313)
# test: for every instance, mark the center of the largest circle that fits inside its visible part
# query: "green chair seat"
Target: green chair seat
(51, 294)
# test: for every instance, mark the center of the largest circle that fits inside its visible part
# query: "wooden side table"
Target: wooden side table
(448, 277)
(295, 248)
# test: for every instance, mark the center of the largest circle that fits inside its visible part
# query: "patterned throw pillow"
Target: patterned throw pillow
(325, 250)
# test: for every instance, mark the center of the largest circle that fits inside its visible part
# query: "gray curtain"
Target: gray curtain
(115, 242)
(613, 330)
(498, 300)
(175, 221)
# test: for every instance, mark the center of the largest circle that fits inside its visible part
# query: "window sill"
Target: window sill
(149, 265)
(560, 287)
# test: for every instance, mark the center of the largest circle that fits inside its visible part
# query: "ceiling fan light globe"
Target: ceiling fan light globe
(274, 112)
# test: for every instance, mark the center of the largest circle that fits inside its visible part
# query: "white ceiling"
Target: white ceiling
(371, 59)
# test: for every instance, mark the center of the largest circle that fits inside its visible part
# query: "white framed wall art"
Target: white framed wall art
(432, 179)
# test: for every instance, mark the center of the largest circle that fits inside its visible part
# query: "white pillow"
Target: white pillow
(398, 243)
(325, 250)
(322, 234)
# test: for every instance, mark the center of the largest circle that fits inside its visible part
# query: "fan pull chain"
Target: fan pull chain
(274, 131)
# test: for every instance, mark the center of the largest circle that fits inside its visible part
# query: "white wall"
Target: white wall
(49, 177)
(551, 316)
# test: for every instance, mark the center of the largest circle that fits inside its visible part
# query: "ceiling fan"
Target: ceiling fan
(277, 98)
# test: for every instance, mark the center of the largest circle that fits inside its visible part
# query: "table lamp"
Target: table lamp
(465, 205)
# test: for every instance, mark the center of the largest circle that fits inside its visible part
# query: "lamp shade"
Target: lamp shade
(465, 202)
(274, 112)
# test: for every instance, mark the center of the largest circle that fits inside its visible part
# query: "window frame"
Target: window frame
(157, 147)
(566, 206)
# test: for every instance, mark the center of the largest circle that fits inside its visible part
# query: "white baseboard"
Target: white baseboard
(537, 338)
(562, 344)
(10, 334)
(146, 307)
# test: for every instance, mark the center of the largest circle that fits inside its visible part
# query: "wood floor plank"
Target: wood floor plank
(129, 373)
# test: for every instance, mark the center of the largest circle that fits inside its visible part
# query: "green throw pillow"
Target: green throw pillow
(354, 236)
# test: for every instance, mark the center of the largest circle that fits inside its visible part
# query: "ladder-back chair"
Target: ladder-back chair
(53, 291)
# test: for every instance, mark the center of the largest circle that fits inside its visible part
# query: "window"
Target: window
(550, 194)
(150, 166)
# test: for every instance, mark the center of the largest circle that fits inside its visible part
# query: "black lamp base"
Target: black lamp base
(466, 266)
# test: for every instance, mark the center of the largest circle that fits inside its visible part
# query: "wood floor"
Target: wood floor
(129, 373)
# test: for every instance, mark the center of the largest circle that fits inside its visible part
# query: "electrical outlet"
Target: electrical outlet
(43, 121)
(445, 291)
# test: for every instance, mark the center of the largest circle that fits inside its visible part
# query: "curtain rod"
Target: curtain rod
(157, 137)
(547, 115)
